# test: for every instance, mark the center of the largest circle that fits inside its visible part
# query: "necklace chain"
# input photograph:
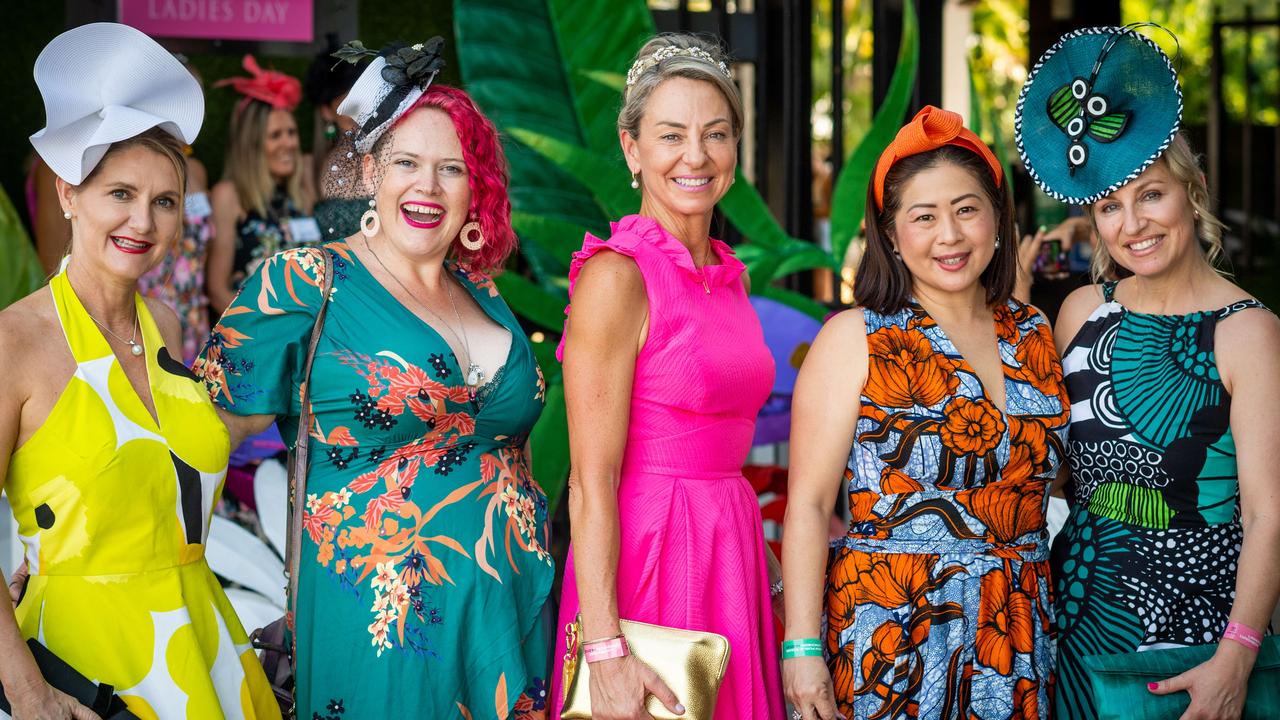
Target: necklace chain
(474, 375)
(132, 342)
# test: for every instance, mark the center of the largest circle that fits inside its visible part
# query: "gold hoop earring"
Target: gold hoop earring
(370, 223)
(465, 237)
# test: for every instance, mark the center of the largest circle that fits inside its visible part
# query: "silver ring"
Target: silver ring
(797, 715)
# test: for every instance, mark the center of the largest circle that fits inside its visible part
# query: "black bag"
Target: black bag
(101, 699)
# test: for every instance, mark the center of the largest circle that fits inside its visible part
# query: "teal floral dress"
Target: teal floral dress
(424, 557)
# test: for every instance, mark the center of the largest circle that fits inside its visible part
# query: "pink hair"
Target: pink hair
(486, 174)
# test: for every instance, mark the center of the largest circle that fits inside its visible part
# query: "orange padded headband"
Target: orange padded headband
(930, 129)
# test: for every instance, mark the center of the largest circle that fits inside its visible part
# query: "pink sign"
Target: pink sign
(280, 20)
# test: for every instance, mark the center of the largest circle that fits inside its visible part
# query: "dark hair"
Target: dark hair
(328, 78)
(883, 283)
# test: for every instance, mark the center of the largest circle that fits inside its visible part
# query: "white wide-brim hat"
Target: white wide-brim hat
(106, 82)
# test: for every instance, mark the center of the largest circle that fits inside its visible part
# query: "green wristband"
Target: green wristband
(803, 647)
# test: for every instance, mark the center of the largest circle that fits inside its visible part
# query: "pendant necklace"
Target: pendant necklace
(474, 375)
(135, 347)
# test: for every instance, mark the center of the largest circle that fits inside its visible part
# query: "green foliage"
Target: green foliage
(1192, 22)
(849, 197)
(997, 67)
(20, 272)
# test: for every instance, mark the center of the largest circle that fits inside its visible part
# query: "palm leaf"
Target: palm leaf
(849, 197)
(534, 302)
(550, 442)
(608, 179)
(525, 84)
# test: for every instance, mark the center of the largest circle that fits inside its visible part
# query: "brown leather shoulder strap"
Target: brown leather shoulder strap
(298, 457)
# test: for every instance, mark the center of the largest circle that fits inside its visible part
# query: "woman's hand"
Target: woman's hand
(1217, 686)
(619, 687)
(807, 685)
(1028, 251)
(44, 702)
(18, 582)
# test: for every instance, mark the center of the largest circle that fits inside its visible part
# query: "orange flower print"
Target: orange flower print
(906, 371)
(887, 642)
(893, 580)
(972, 426)
(842, 597)
(861, 503)
(1005, 625)
(1028, 450)
(1008, 509)
(894, 482)
(1026, 700)
(1038, 362)
(1006, 324)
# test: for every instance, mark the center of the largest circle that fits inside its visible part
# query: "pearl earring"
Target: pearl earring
(66, 214)
(997, 242)
(635, 181)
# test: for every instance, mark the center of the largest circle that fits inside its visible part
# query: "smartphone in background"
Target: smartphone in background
(1051, 260)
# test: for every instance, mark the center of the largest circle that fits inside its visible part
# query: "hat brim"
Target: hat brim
(106, 82)
(1137, 81)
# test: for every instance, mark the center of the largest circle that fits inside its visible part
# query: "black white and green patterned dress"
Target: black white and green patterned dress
(1147, 558)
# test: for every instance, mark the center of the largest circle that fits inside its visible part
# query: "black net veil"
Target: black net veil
(390, 84)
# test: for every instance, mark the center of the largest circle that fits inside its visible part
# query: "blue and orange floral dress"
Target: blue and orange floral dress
(424, 556)
(937, 599)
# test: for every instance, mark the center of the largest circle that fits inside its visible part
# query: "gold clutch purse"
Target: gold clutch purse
(691, 663)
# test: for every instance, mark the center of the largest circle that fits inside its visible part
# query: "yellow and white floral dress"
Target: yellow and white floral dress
(113, 507)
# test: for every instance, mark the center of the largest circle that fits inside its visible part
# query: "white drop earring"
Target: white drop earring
(370, 223)
(997, 242)
(635, 181)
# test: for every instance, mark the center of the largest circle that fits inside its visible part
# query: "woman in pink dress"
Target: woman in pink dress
(665, 369)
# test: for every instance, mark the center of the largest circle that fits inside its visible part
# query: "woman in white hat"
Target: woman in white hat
(422, 554)
(113, 456)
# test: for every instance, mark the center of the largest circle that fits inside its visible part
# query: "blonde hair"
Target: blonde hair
(1184, 167)
(636, 96)
(247, 160)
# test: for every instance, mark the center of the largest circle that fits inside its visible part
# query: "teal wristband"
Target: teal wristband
(803, 647)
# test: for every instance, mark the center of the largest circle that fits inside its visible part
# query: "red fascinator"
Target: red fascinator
(930, 129)
(280, 91)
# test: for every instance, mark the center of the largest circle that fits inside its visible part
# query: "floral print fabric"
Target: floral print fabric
(424, 561)
(938, 597)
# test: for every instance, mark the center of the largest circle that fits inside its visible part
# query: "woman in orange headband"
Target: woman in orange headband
(947, 427)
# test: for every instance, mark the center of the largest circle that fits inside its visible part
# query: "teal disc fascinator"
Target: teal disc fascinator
(1099, 107)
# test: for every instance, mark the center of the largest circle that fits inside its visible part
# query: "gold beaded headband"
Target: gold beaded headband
(670, 51)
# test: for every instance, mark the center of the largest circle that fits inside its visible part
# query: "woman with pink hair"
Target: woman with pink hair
(423, 563)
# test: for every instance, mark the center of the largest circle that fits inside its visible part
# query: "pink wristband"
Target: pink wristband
(1244, 635)
(607, 649)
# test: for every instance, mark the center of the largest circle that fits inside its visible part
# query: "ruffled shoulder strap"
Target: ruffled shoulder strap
(625, 243)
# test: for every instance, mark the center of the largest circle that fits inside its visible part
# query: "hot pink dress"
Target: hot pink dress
(692, 554)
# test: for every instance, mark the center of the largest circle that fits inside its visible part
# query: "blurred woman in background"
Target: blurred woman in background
(262, 204)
